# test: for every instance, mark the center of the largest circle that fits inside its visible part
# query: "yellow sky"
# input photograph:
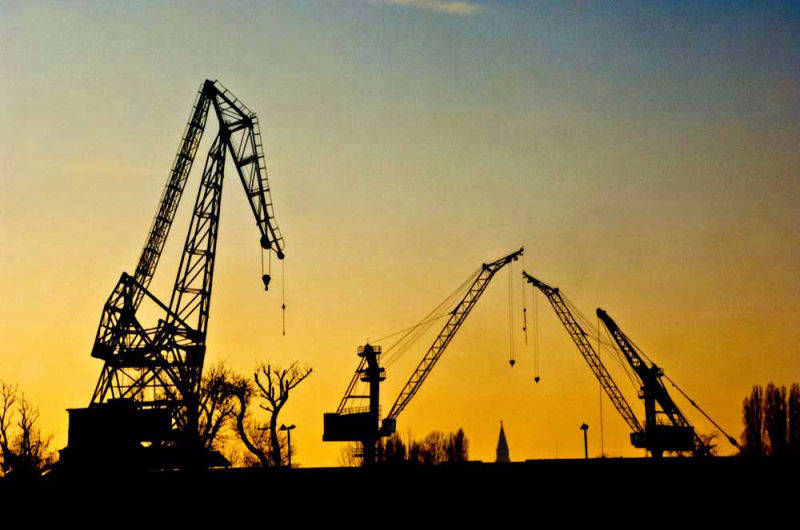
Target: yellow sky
(648, 167)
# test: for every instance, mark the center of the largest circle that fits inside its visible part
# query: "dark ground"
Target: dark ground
(623, 490)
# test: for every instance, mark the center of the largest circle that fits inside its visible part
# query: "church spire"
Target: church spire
(502, 446)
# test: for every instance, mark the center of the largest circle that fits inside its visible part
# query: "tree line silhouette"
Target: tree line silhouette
(435, 449)
(238, 412)
(24, 450)
(771, 422)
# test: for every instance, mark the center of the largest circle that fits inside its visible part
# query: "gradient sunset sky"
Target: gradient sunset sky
(645, 154)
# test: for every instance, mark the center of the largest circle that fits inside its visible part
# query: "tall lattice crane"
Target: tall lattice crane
(148, 389)
(581, 340)
(360, 424)
(665, 428)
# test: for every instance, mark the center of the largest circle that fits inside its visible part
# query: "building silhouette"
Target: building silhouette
(502, 446)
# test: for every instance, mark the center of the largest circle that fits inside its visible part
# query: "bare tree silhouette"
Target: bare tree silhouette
(217, 404)
(753, 417)
(272, 385)
(775, 419)
(25, 451)
(8, 399)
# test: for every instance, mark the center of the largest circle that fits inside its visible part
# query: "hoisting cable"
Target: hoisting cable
(606, 345)
(524, 306)
(511, 358)
(600, 388)
(412, 334)
(524, 316)
(410, 328)
(283, 293)
(537, 371)
(730, 438)
(266, 275)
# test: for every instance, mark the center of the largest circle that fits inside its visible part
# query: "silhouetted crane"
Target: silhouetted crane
(361, 424)
(665, 427)
(145, 406)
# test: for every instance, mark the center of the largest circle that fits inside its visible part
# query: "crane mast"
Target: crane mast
(152, 375)
(581, 340)
(666, 429)
(359, 425)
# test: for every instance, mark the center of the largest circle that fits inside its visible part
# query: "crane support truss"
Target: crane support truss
(161, 366)
(652, 387)
(454, 322)
(581, 340)
(674, 434)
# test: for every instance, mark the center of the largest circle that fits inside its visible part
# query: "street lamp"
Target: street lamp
(585, 428)
(288, 441)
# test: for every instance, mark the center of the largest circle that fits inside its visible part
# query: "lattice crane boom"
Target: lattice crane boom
(162, 365)
(650, 376)
(581, 340)
(173, 191)
(442, 340)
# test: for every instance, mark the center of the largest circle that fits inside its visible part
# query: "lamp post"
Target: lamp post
(585, 428)
(288, 441)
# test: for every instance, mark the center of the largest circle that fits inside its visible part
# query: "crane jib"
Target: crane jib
(442, 340)
(587, 351)
(167, 360)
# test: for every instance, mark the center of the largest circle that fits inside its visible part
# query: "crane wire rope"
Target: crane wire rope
(600, 388)
(686, 396)
(606, 347)
(511, 357)
(283, 293)
(537, 369)
(411, 334)
(524, 306)
(266, 275)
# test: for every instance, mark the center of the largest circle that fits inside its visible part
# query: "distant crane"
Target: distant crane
(674, 434)
(581, 340)
(360, 424)
(145, 407)
(666, 428)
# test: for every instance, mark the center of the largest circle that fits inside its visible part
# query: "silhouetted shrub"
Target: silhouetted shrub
(753, 417)
(775, 419)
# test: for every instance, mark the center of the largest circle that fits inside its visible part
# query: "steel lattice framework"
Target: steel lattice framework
(161, 366)
(440, 343)
(653, 389)
(581, 340)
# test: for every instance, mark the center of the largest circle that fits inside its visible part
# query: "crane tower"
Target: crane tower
(145, 407)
